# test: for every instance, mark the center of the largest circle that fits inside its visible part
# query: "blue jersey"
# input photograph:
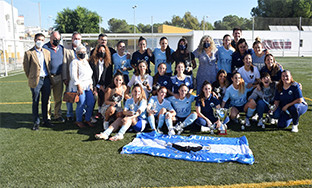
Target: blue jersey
(276, 77)
(160, 57)
(288, 95)
(237, 98)
(207, 110)
(225, 58)
(258, 61)
(164, 80)
(139, 105)
(137, 56)
(120, 62)
(176, 83)
(182, 107)
(165, 104)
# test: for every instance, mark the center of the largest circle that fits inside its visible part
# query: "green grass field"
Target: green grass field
(66, 156)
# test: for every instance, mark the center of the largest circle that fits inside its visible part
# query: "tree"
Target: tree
(188, 21)
(290, 8)
(80, 19)
(119, 26)
(230, 21)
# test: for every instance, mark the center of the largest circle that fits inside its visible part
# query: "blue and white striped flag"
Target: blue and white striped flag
(192, 148)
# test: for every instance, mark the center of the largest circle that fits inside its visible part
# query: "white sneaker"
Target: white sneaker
(242, 127)
(260, 123)
(204, 129)
(178, 128)
(263, 126)
(117, 137)
(93, 119)
(171, 132)
(255, 117)
(294, 129)
(101, 136)
(247, 122)
(105, 125)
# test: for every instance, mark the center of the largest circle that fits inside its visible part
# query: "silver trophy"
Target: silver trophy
(188, 66)
(223, 115)
(156, 86)
(123, 64)
(268, 118)
(145, 82)
(154, 107)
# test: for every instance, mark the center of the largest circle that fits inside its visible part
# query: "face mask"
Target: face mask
(101, 54)
(81, 56)
(77, 42)
(56, 42)
(182, 47)
(206, 45)
(39, 44)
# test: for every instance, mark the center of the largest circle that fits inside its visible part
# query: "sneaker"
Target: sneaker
(294, 128)
(242, 127)
(204, 129)
(101, 136)
(60, 119)
(159, 131)
(105, 125)
(93, 119)
(260, 123)
(171, 132)
(117, 137)
(255, 117)
(48, 124)
(35, 127)
(247, 122)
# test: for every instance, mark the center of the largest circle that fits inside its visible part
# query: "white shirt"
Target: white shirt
(101, 68)
(137, 80)
(248, 76)
(80, 73)
(43, 68)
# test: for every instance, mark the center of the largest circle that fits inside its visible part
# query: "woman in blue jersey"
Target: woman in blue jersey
(220, 85)
(272, 67)
(237, 57)
(142, 77)
(224, 55)
(161, 108)
(289, 102)
(122, 61)
(143, 53)
(206, 53)
(258, 54)
(162, 79)
(183, 55)
(114, 95)
(182, 104)
(249, 73)
(181, 78)
(133, 115)
(204, 104)
(163, 55)
(237, 92)
(261, 98)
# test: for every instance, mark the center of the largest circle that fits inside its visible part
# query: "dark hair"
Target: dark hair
(95, 58)
(263, 75)
(156, 76)
(141, 38)
(119, 42)
(280, 83)
(201, 95)
(102, 35)
(75, 33)
(185, 42)
(160, 88)
(112, 84)
(222, 71)
(139, 62)
(227, 35)
(237, 29)
(251, 66)
(257, 41)
(39, 35)
(275, 67)
(182, 85)
(240, 41)
(168, 50)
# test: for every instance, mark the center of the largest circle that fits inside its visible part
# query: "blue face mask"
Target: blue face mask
(182, 47)
(206, 45)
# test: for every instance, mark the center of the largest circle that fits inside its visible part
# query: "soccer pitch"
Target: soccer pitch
(66, 156)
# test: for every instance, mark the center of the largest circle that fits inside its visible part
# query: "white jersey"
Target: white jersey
(248, 76)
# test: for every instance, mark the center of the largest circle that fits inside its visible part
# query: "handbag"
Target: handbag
(71, 97)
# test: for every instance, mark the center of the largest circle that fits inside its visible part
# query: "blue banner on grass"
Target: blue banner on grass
(199, 148)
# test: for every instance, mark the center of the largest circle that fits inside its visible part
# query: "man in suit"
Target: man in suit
(36, 66)
(70, 55)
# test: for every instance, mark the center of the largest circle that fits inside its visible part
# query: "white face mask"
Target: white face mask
(39, 44)
(77, 42)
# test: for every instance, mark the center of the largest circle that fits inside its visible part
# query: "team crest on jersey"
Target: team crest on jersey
(187, 84)
(146, 58)
(212, 104)
(251, 76)
(289, 92)
(281, 93)
(165, 82)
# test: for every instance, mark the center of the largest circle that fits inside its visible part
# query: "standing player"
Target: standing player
(163, 55)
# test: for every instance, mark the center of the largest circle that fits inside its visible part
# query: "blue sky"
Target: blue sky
(161, 10)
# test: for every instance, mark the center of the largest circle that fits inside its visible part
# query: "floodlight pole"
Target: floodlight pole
(299, 36)
(134, 45)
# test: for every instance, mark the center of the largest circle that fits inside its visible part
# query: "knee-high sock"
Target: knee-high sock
(169, 123)
(123, 129)
(189, 120)
(250, 112)
(151, 121)
(108, 131)
(161, 120)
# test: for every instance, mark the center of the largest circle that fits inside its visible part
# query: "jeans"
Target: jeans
(44, 86)
(262, 107)
(86, 101)
(70, 110)
(295, 112)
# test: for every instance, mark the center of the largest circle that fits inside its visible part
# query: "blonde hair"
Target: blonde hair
(241, 85)
(201, 43)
